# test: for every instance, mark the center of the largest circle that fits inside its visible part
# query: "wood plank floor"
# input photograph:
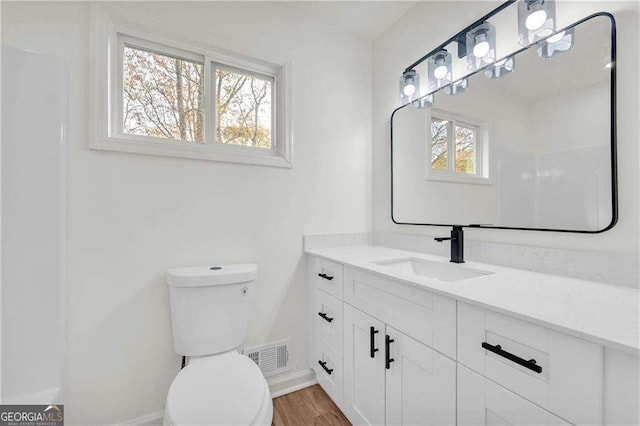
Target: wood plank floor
(309, 406)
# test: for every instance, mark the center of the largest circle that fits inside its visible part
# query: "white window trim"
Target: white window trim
(483, 175)
(107, 35)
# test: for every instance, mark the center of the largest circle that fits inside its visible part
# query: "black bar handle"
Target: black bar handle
(387, 346)
(372, 339)
(497, 349)
(323, 364)
(325, 276)
(325, 317)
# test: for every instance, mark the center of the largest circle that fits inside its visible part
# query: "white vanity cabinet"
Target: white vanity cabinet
(389, 352)
(392, 378)
(390, 372)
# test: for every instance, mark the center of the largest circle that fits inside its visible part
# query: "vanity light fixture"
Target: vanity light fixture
(409, 86)
(424, 102)
(501, 68)
(536, 25)
(556, 45)
(536, 20)
(481, 46)
(439, 69)
(457, 87)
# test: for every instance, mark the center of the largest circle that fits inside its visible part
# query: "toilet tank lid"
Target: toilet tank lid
(202, 276)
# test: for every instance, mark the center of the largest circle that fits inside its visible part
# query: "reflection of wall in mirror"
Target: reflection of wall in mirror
(562, 180)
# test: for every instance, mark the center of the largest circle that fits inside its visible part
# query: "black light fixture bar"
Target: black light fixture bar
(460, 35)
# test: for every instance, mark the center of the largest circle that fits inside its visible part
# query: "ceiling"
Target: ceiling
(364, 19)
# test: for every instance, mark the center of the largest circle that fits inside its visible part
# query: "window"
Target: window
(162, 96)
(177, 98)
(244, 108)
(456, 151)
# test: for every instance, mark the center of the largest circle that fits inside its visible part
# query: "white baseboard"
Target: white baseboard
(152, 419)
(283, 384)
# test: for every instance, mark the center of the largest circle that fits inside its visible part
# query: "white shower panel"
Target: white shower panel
(34, 259)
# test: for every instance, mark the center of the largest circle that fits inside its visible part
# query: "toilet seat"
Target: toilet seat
(225, 389)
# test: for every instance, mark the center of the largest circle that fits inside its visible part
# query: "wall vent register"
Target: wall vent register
(272, 358)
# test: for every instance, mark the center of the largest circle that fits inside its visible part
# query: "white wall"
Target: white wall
(131, 217)
(425, 26)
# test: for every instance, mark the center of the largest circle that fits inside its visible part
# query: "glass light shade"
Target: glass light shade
(423, 102)
(439, 69)
(457, 87)
(536, 20)
(556, 45)
(500, 68)
(409, 86)
(481, 46)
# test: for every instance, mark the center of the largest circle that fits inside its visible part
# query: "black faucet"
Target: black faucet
(457, 244)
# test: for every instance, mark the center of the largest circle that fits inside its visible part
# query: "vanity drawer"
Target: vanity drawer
(566, 378)
(425, 316)
(329, 321)
(328, 276)
(329, 371)
(482, 402)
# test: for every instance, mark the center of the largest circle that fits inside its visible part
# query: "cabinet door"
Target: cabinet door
(364, 372)
(421, 383)
(483, 402)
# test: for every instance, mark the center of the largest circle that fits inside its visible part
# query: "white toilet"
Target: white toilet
(209, 313)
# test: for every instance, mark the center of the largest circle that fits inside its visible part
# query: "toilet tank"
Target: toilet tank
(210, 307)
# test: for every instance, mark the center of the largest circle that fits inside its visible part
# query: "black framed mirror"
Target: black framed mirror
(534, 149)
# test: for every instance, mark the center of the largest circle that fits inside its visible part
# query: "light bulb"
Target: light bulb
(440, 72)
(481, 49)
(409, 89)
(556, 37)
(536, 19)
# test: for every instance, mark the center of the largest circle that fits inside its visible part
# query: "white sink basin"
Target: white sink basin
(434, 270)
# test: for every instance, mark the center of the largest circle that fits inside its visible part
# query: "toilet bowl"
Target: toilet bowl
(210, 307)
(225, 389)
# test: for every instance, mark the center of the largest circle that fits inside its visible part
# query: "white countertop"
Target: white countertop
(605, 314)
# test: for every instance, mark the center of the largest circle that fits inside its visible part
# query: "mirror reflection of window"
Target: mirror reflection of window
(465, 149)
(439, 144)
(451, 136)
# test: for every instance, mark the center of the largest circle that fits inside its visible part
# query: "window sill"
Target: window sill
(459, 178)
(222, 153)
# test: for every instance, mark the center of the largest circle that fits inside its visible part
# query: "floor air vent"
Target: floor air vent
(272, 358)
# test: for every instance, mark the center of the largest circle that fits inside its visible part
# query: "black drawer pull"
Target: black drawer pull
(497, 349)
(325, 276)
(372, 340)
(323, 364)
(387, 346)
(325, 317)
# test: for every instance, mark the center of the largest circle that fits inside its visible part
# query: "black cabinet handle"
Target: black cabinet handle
(323, 364)
(325, 317)
(387, 346)
(325, 276)
(497, 349)
(372, 340)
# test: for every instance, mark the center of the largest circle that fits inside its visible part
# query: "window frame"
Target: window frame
(482, 175)
(109, 37)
